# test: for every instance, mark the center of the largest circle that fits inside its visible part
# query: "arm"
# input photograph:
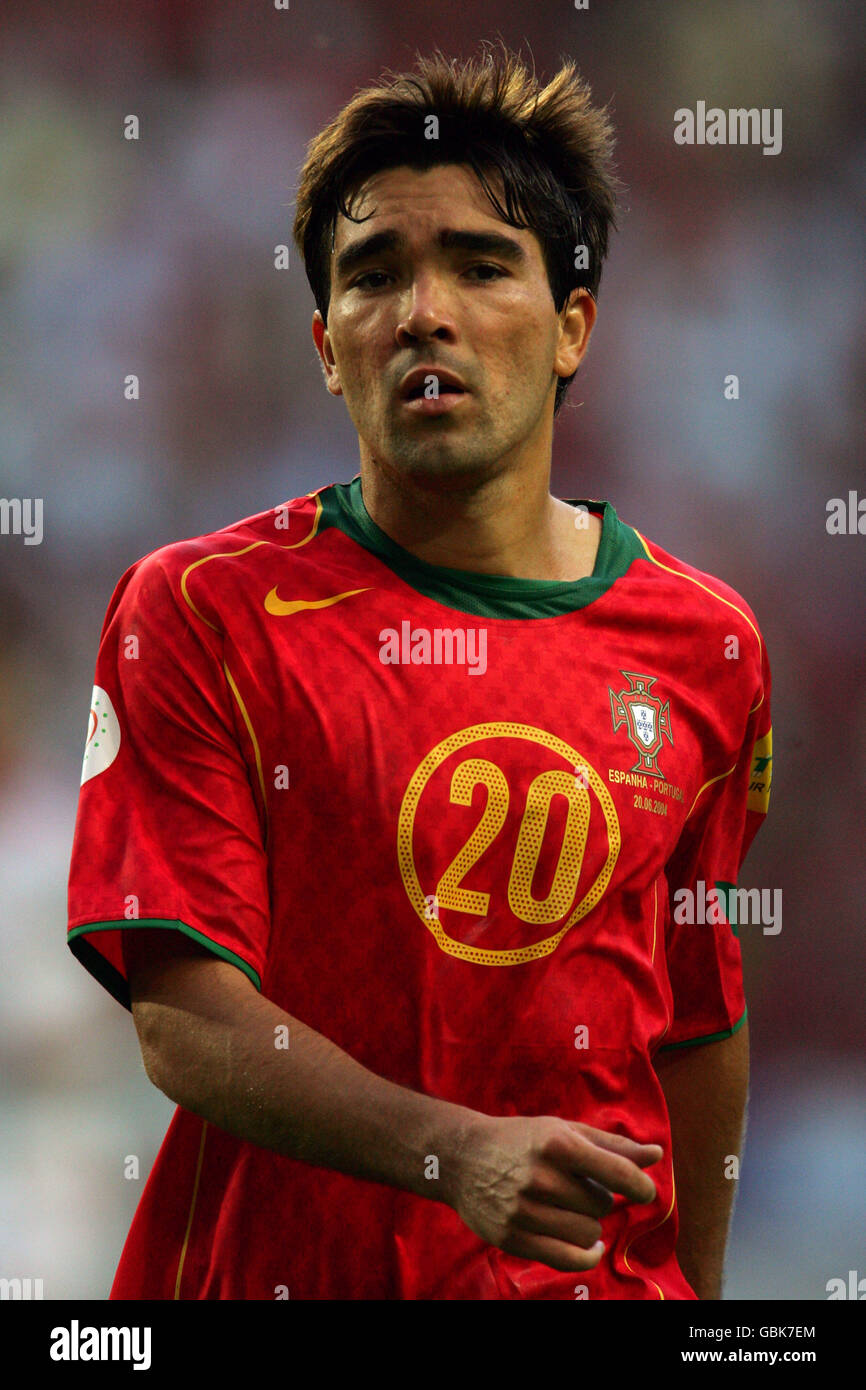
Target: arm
(207, 1040)
(705, 1088)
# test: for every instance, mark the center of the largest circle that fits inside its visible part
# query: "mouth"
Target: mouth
(431, 391)
(431, 384)
(442, 404)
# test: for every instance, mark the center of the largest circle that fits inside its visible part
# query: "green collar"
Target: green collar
(485, 595)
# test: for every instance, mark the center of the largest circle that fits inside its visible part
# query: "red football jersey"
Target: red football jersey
(441, 818)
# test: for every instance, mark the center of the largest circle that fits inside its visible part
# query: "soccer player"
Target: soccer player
(394, 794)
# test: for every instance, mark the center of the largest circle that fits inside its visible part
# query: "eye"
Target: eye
(363, 282)
(496, 273)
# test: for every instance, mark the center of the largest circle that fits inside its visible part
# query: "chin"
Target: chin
(452, 466)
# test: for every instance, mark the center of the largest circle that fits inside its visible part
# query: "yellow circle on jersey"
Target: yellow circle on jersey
(520, 874)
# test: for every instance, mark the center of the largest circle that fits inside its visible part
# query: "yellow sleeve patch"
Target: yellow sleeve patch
(761, 774)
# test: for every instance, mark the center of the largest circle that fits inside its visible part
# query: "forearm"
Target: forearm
(309, 1100)
(706, 1088)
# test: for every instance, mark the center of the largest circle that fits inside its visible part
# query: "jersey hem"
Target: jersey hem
(110, 977)
(708, 1037)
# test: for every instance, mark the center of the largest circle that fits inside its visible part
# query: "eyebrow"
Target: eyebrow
(484, 243)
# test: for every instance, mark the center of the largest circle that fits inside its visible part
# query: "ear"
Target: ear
(322, 339)
(576, 322)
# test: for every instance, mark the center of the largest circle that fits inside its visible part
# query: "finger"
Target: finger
(621, 1144)
(600, 1196)
(556, 1188)
(558, 1254)
(540, 1219)
(583, 1158)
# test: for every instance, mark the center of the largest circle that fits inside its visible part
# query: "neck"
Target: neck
(506, 525)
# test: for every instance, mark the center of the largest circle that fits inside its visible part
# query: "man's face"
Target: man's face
(433, 280)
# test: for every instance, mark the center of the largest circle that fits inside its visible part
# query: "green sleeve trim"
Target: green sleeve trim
(709, 1037)
(112, 980)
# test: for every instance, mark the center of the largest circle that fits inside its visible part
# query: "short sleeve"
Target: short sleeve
(702, 947)
(168, 833)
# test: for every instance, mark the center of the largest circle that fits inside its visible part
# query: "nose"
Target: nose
(426, 314)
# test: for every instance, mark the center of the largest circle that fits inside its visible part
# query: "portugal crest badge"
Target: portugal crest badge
(646, 720)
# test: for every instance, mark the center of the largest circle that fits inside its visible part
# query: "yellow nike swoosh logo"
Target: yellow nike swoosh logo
(281, 608)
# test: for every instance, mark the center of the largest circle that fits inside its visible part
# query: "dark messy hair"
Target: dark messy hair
(542, 154)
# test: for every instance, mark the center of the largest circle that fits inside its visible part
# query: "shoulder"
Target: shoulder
(699, 597)
(162, 583)
(697, 625)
